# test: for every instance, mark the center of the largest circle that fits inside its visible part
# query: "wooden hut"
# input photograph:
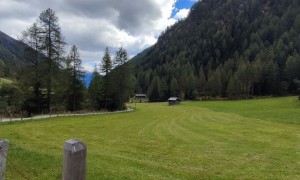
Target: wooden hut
(140, 97)
(173, 100)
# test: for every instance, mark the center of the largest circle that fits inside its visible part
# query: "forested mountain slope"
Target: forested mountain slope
(225, 48)
(12, 54)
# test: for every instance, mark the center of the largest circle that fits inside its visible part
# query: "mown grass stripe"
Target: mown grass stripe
(194, 140)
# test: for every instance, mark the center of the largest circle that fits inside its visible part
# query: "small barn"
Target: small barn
(140, 97)
(173, 100)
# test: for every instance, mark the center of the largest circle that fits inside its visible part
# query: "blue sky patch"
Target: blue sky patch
(182, 4)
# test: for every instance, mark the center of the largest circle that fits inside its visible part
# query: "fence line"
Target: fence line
(44, 116)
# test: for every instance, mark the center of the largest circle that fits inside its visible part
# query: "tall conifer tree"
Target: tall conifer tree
(75, 84)
(52, 45)
(106, 66)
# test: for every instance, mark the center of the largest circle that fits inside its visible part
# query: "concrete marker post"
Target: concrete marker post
(74, 163)
(3, 157)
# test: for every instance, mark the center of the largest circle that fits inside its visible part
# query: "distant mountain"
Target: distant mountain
(225, 48)
(87, 78)
(13, 55)
(12, 52)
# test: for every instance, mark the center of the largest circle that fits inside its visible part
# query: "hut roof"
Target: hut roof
(140, 95)
(173, 99)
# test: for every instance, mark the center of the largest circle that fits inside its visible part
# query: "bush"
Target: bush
(10, 97)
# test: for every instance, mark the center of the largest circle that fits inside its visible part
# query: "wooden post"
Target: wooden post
(74, 163)
(3, 156)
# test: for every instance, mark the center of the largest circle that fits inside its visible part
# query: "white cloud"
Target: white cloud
(92, 25)
(182, 13)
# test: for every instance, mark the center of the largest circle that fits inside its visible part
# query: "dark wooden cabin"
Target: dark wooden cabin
(173, 101)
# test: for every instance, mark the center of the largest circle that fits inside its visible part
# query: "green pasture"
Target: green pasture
(251, 139)
(283, 109)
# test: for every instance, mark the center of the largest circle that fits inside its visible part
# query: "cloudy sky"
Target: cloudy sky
(92, 25)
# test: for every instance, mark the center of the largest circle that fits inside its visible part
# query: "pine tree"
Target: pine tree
(245, 76)
(75, 85)
(155, 91)
(106, 63)
(293, 67)
(174, 89)
(201, 84)
(234, 88)
(214, 84)
(269, 74)
(106, 66)
(191, 85)
(122, 79)
(95, 90)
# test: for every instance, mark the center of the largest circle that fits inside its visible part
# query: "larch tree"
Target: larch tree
(32, 81)
(52, 46)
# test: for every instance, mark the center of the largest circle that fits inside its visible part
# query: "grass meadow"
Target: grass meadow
(249, 139)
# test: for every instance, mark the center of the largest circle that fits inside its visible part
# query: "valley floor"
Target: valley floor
(251, 139)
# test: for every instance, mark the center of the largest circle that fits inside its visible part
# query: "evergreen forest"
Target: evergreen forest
(225, 49)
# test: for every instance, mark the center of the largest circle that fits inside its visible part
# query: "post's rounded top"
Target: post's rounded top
(4, 141)
(74, 145)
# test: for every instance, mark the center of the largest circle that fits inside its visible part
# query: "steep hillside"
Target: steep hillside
(231, 48)
(12, 54)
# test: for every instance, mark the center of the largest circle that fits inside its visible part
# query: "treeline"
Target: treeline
(233, 48)
(53, 80)
(113, 87)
